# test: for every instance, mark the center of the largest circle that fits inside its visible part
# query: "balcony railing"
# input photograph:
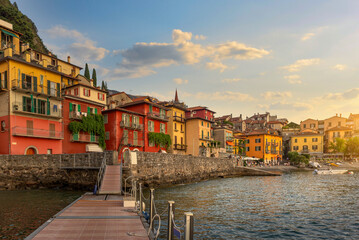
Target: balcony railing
(205, 138)
(133, 142)
(179, 119)
(84, 137)
(179, 146)
(229, 138)
(75, 115)
(28, 86)
(53, 111)
(157, 116)
(305, 151)
(38, 133)
(131, 125)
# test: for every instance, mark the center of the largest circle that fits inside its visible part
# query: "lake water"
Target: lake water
(293, 206)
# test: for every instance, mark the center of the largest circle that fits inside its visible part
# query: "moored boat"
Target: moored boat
(330, 171)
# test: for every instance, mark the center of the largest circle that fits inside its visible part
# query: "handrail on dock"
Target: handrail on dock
(101, 173)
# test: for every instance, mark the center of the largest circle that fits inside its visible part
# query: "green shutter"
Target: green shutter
(24, 103)
(48, 87)
(95, 110)
(79, 108)
(23, 81)
(150, 108)
(32, 103)
(88, 110)
(70, 107)
(75, 136)
(35, 106)
(5, 79)
(48, 107)
(35, 83)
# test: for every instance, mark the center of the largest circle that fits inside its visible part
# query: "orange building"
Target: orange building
(266, 145)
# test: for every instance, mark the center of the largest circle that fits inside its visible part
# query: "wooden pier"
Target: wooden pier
(96, 216)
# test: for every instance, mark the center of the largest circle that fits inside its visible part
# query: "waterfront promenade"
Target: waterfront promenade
(93, 217)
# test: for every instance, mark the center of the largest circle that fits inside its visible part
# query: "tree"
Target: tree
(87, 72)
(103, 85)
(297, 159)
(15, 5)
(94, 77)
(338, 146)
(106, 86)
(352, 146)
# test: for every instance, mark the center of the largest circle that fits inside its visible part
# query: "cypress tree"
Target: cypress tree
(103, 85)
(87, 72)
(94, 77)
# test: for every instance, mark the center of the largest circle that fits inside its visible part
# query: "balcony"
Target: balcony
(84, 137)
(229, 138)
(131, 125)
(179, 146)
(305, 151)
(179, 119)
(205, 138)
(53, 111)
(37, 133)
(76, 115)
(133, 142)
(157, 116)
(36, 89)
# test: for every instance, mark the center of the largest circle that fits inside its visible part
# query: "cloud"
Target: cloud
(180, 81)
(224, 96)
(182, 50)
(276, 95)
(200, 37)
(307, 36)
(293, 79)
(216, 65)
(286, 106)
(299, 64)
(81, 50)
(340, 67)
(347, 95)
(231, 80)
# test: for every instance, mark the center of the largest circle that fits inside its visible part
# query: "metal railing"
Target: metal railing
(75, 115)
(83, 137)
(179, 119)
(17, 84)
(157, 116)
(131, 125)
(179, 146)
(54, 110)
(35, 132)
(133, 142)
(100, 174)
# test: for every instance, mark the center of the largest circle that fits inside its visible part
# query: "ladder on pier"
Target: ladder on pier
(111, 181)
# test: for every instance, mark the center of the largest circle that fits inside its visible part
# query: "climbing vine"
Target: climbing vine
(160, 139)
(92, 123)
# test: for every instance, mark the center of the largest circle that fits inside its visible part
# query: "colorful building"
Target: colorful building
(177, 125)
(128, 126)
(224, 136)
(331, 134)
(31, 109)
(307, 143)
(309, 125)
(80, 100)
(266, 145)
(199, 135)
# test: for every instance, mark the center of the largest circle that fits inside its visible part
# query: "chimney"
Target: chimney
(340, 115)
(68, 59)
(336, 114)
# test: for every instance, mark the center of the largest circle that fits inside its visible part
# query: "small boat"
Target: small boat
(330, 171)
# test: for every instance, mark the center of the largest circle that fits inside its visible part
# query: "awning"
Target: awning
(229, 143)
(9, 33)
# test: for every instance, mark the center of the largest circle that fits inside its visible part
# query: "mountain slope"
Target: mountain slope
(21, 23)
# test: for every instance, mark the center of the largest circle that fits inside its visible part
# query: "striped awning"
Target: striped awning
(9, 33)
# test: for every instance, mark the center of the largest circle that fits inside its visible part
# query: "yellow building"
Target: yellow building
(176, 125)
(265, 145)
(31, 97)
(199, 135)
(307, 143)
(309, 125)
(336, 132)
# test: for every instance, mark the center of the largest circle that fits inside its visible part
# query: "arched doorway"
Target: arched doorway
(30, 151)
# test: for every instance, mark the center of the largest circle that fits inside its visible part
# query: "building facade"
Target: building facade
(307, 143)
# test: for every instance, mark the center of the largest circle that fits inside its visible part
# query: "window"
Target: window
(202, 134)
(163, 128)
(247, 140)
(257, 140)
(175, 140)
(315, 147)
(29, 127)
(206, 118)
(162, 112)
(151, 109)
(329, 124)
(305, 147)
(295, 140)
(136, 121)
(125, 137)
(135, 138)
(247, 149)
(105, 118)
(151, 126)
(312, 125)
(207, 124)
(107, 135)
(37, 56)
(101, 96)
(151, 144)
(305, 140)
(295, 147)
(314, 139)
(181, 128)
(53, 61)
(126, 119)
(304, 125)
(202, 123)
(258, 148)
(27, 105)
(49, 151)
(175, 126)
(76, 91)
(3, 126)
(87, 92)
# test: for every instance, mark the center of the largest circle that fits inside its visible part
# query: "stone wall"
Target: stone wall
(165, 169)
(75, 171)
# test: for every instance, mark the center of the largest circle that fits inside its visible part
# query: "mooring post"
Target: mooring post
(152, 198)
(188, 226)
(140, 193)
(171, 209)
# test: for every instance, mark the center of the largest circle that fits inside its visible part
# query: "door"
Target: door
(29, 128)
(30, 151)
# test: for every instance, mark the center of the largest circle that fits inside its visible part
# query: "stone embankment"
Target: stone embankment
(75, 171)
(162, 169)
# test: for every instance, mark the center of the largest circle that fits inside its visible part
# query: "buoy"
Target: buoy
(350, 172)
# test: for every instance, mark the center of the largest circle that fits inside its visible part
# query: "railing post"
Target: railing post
(151, 207)
(188, 226)
(141, 208)
(170, 224)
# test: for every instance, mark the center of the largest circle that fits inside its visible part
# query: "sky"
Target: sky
(294, 59)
